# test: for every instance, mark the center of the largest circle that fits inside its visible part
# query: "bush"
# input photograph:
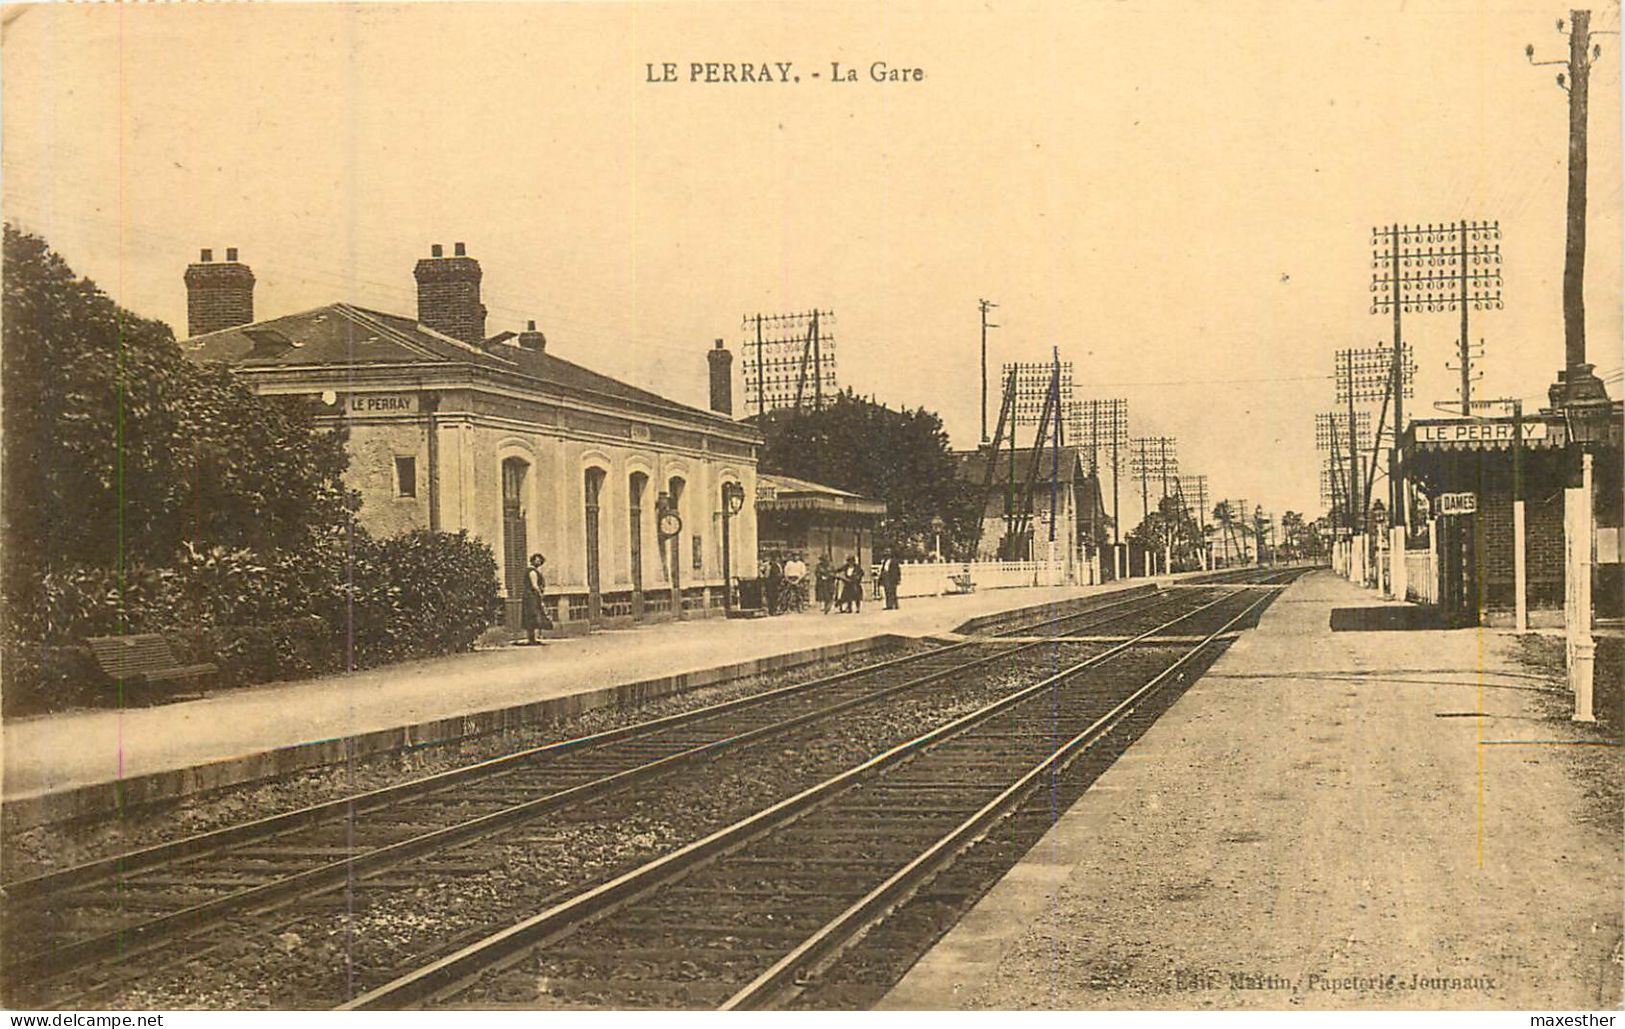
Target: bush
(438, 593)
(39, 678)
(294, 648)
(343, 602)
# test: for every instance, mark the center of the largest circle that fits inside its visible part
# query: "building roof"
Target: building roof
(347, 335)
(972, 468)
(973, 464)
(1540, 430)
(776, 492)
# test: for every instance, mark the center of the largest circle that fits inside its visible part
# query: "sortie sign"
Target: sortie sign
(374, 405)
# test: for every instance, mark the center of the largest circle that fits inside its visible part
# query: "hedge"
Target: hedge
(344, 602)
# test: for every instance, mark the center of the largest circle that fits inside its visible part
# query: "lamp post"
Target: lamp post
(733, 501)
(936, 535)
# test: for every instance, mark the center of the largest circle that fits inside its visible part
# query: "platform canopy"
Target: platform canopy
(783, 493)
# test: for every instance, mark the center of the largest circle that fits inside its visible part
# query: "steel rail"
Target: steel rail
(826, 943)
(143, 935)
(371, 800)
(452, 970)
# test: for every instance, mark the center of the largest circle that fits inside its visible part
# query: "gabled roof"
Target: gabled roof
(972, 464)
(334, 334)
(346, 335)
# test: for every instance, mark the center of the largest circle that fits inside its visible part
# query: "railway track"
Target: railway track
(102, 913)
(748, 915)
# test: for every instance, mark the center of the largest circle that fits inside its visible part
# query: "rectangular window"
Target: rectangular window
(699, 553)
(406, 476)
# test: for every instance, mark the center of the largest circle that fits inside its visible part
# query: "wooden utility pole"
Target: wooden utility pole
(818, 366)
(1396, 474)
(1465, 346)
(761, 372)
(1356, 512)
(1574, 251)
(985, 305)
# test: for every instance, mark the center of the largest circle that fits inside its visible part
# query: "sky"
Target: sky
(1178, 196)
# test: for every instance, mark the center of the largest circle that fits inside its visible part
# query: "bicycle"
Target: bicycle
(792, 597)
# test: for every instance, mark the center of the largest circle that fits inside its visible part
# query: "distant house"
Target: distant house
(1060, 479)
(809, 518)
(450, 429)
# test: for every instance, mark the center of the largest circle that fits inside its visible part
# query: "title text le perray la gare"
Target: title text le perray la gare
(775, 72)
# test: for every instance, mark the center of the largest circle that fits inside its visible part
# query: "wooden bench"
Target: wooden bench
(961, 583)
(144, 659)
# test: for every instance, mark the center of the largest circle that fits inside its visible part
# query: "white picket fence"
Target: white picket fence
(1420, 578)
(931, 578)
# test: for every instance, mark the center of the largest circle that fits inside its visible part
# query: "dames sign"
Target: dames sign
(1458, 503)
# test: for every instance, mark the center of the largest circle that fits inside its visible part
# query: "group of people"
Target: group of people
(784, 583)
(840, 588)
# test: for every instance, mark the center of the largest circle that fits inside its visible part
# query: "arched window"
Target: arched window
(674, 490)
(636, 486)
(594, 485)
(514, 556)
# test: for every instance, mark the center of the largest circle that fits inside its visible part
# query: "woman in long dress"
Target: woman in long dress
(534, 612)
(851, 579)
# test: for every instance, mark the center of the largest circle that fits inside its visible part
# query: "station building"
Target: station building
(621, 489)
(1469, 473)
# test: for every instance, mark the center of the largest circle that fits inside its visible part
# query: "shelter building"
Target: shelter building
(797, 516)
(1468, 473)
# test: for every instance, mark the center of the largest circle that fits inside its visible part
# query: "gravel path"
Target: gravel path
(1325, 821)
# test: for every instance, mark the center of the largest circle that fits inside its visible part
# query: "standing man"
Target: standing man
(891, 574)
(795, 582)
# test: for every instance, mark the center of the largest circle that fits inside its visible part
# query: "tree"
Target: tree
(1171, 525)
(120, 452)
(900, 457)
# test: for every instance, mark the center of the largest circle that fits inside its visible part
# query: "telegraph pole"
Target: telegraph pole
(1465, 350)
(1396, 474)
(761, 372)
(1578, 393)
(1198, 486)
(985, 305)
(1167, 529)
(1427, 260)
(1145, 493)
(1574, 250)
(818, 366)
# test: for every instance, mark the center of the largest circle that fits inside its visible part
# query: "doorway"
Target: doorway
(514, 545)
(594, 488)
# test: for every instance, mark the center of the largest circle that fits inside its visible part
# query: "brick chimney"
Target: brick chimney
(449, 294)
(532, 338)
(219, 295)
(722, 379)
